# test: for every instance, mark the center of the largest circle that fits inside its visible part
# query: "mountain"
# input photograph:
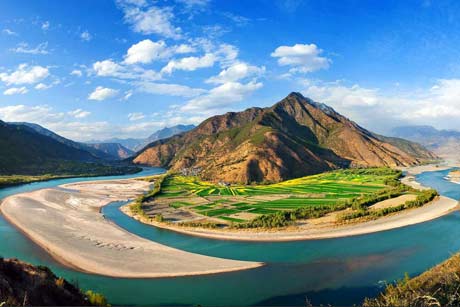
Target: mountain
(22, 284)
(295, 137)
(138, 144)
(129, 143)
(24, 151)
(445, 143)
(166, 133)
(113, 149)
(80, 146)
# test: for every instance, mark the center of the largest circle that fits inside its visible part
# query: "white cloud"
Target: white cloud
(190, 63)
(102, 93)
(135, 116)
(25, 75)
(151, 20)
(146, 51)
(15, 91)
(128, 94)
(302, 57)
(169, 89)
(106, 68)
(438, 105)
(76, 72)
(45, 25)
(9, 32)
(109, 68)
(86, 36)
(221, 96)
(194, 3)
(25, 48)
(184, 48)
(79, 113)
(236, 72)
(42, 86)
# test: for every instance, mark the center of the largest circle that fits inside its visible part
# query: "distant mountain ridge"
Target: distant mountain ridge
(138, 144)
(445, 143)
(113, 149)
(295, 137)
(25, 151)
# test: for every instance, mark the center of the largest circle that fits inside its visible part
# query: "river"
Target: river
(333, 271)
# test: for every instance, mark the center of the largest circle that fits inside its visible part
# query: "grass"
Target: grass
(310, 196)
(92, 170)
(439, 286)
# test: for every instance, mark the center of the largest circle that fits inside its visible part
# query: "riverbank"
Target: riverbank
(313, 230)
(67, 223)
(326, 227)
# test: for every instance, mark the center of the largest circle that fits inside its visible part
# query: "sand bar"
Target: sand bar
(69, 226)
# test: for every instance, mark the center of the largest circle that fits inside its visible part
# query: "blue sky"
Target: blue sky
(124, 68)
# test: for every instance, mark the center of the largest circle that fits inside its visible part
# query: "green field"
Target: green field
(239, 203)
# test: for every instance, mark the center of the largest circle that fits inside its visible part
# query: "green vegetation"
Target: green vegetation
(439, 286)
(423, 198)
(136, 206)
(281, 204)
(78, 170)
(96, 299)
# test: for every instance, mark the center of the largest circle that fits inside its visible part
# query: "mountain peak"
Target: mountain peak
(295, 137)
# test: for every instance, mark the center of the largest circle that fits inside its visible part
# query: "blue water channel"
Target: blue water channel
(333, 271)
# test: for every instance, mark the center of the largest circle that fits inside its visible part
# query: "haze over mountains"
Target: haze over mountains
(445, 143)
(138, 144)
(293, 138)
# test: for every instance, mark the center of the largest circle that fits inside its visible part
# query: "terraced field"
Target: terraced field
(243, 203)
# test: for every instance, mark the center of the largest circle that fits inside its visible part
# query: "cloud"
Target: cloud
(24, 48)
(220, 97)
(150, 20)
(42, 86)
(194, 3)
(102, 93)
(25, 75)
(237, 19)
(437, 105)
(15, 91)
(79, 113)
(303, 58)
(169, 89)
(146, 51)
(45, 25)
(128, 94)
(236, 72)
(109, 68)
(86, 36)
(190, 63)
(135, 116)
(184, 48)
(76, 72)
(9, 32)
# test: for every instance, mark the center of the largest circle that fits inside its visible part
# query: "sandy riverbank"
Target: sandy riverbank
(67, 223)
(325, 227)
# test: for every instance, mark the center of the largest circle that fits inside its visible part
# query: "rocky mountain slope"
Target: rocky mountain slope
(22, 284)
(445, 143)
(293, 138)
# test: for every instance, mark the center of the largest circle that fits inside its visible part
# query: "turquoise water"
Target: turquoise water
(337, 271)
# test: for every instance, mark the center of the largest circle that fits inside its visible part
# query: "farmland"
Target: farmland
(312, 196)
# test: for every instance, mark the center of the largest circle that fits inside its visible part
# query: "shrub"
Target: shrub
(96, 299)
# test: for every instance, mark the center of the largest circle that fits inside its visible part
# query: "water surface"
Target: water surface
(338, 271)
